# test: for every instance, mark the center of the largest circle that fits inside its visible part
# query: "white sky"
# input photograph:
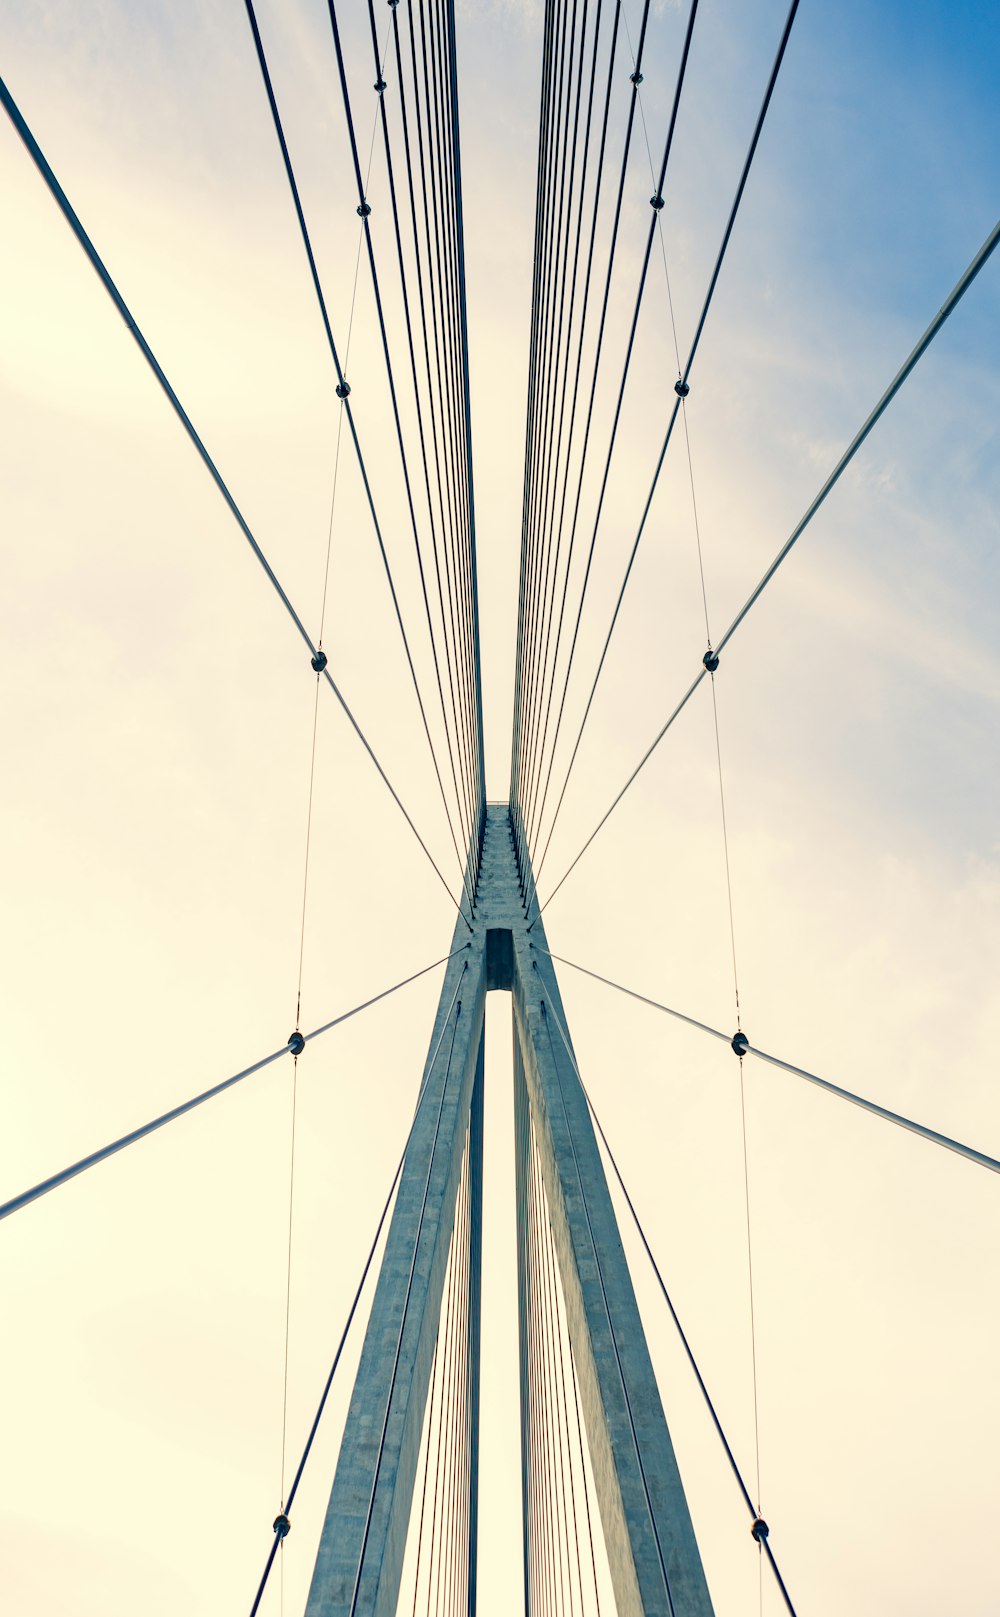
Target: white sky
(157, 712)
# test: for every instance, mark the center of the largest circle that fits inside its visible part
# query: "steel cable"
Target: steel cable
(461, 793)
(440, 434)
(562, 1403)
(364, 205)
(657, 198)
(946, 309)
(554, 310)
(460, 1433)
(456, 362)
(438, 549)
(402, 1323)
(427, 1456)
(463, 337)
(343, 391)
(564, 1037)
(100, 269)
(524, 604)
(549, 138)
(577, 369)
(966, 1151)
(442, 311)
(444, 1413)
(560, 1525)
(604, 1296)
(682, 386)
(15, 1204)
(444, 350)
(596, 368)
(544, 508)
(314, 1428)
(546, 1465)
(586, 1485)
(563, 475)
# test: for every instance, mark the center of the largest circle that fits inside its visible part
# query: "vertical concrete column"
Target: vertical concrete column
(522, 1148)
(475, 1310)
(360, 1557)
(654, 1559)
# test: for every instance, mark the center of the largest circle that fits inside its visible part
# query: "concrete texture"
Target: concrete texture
(655, 1564)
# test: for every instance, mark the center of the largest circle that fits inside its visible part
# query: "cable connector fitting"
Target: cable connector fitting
(380, 85)
(363, 209)
(711, 660)
(740, 1043)
(681, 388)
(759, 1529)
(342, 389)
(393, 4)
(282, 1526)
(296, 1043)
(319, 661)
(635, 78)
(656, 202)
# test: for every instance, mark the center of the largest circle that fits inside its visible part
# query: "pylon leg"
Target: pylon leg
(360, 1557)
(655, 1565)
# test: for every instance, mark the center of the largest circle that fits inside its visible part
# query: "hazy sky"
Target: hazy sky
(156, 722)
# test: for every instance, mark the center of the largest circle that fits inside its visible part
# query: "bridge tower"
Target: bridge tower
(653, 1556)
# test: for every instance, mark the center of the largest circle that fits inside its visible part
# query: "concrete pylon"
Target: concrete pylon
(652, 1552)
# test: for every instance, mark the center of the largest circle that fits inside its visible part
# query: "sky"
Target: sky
(157, 718)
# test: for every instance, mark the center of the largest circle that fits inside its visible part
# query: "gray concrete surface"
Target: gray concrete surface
(653, 1555)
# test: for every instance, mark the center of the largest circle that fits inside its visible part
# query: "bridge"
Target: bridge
(389, 1447)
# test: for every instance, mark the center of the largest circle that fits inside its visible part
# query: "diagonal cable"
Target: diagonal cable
(525, 573)
(364, 211)
(463, 317)
(568, 366)
(577, 372)
(406, 1301)
(437, 435)
(27, 1196)
(519, 763)
(417, 401)
(436, 339)
(759, 1529)
(516, 791)
(656, 204)
(435, 163)
(557, 239)
(343, 391)
(97, 263)
(959, 290)
(682, 389)
(546, 1021)
(740, 1044)
(282, 1525)
(437, 41)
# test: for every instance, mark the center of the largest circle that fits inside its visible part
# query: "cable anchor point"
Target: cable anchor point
(682, 388)
(380, 85)
(711, 660)
(656, 202)
(296, 1042)
(342, 389)
(635, 78)
(282, 1526)
(759, 1529)
(363, 209)
(319, 661)
(741, 1045)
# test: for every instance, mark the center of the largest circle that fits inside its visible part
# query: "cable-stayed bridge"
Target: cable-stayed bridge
(603, 1507)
